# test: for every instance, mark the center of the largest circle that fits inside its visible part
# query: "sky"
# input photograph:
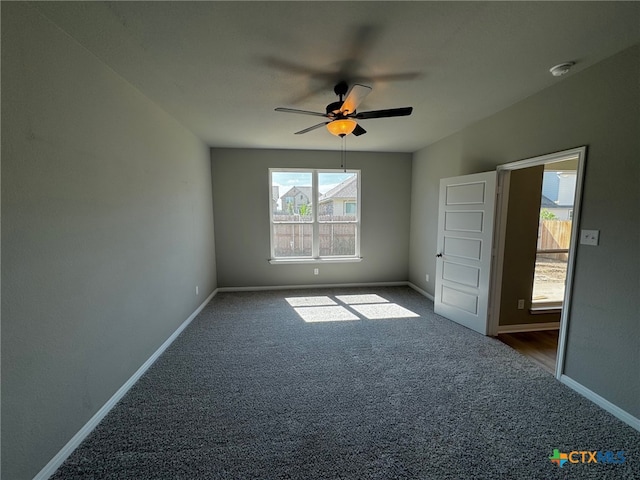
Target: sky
(326, 180)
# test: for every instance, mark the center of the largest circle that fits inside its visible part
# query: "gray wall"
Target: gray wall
(600, 108)
(241, 209)
(107, 227)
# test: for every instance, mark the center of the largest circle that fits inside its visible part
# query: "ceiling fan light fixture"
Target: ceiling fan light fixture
(342, 127)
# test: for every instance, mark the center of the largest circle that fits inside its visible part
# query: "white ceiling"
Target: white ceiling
(221, 68)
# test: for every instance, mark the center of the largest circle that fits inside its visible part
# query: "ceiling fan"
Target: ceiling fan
(341, 115)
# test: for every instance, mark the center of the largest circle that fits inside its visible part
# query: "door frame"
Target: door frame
(503, 176)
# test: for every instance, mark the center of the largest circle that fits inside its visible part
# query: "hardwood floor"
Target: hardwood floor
(541, 347)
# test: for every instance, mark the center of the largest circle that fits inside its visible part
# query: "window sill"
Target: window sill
(541, 308)
(294, 261)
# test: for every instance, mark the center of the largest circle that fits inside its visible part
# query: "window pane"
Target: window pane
(291, 196)
(338, 196)
(292, 240)
(554, 236)
(337, 239)
(550, 275)
(307, 225)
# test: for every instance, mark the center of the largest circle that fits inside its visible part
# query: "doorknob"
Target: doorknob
(438, 255)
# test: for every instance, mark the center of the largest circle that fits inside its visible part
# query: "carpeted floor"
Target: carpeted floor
(251, 390)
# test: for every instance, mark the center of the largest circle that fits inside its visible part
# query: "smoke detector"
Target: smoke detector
(561, 68)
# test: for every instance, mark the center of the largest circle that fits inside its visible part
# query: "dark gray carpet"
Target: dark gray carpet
(250, 390)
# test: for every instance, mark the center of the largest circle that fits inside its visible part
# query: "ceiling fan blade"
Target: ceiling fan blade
(312, 128)
(304, 112)
(359, 131)
(395, 77)
(392, 112)
(291, 67)
(354, 97)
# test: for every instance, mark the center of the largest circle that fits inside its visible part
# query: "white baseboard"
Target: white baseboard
(420, 291)
(528, 327)
(318, 285)
(51, 467)
(614, 410)
(327, 285)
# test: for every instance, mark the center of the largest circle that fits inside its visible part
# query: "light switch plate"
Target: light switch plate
(589, 237)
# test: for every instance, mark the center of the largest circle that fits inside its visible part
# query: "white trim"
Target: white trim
(315, 222)
(327, 285)
(315, 228)
(529, 327)
(53, 465)
(571, 261)
(545, 308)
(542, 159)
(503, 185)
(613, 409)
(308, 286)
(300, 261)
(504, 170)
(420, 291)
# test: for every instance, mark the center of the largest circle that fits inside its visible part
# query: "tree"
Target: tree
(547, 215)
(304, 210)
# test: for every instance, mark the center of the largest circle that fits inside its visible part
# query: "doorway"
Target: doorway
(533, 267)
(555, 221)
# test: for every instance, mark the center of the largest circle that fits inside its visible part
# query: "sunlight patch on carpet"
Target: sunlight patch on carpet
(383, 311)
(309, 301)
(368, 306)
(365, 298)
(325, 314)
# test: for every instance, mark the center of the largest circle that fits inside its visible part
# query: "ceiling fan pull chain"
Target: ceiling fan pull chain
(344, 153)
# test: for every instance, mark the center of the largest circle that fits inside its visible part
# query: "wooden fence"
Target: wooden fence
(337, 239)
(294, 239)
(555, 235)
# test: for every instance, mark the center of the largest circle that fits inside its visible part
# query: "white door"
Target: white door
(463, 263)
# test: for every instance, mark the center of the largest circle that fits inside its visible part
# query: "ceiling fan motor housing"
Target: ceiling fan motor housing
(334, 107)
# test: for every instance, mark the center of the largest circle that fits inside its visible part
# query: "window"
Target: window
(554, 238)
(316, 215)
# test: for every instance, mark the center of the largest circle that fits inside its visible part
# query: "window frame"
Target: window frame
(315, 256)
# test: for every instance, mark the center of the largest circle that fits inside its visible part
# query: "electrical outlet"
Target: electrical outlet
(427, 277)
(521, 304)
(316, 271)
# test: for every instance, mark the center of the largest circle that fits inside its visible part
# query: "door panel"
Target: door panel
(462, 247)
(461, 274)
(465, 234)
(463, 221)
(460, 300)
